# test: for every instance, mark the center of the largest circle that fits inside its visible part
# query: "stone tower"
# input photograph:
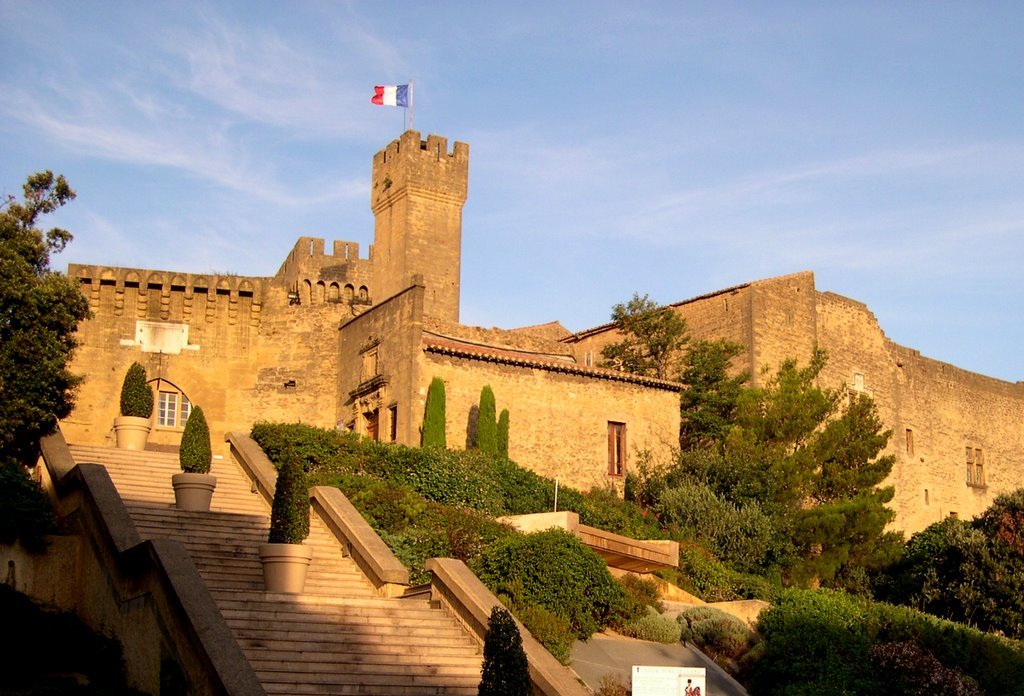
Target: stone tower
(417, 193)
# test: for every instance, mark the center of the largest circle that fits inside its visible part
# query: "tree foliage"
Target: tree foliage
(503, 428)
(39, 312)
(434, 418)
(25, 512)
(195, 452)
(971, 572)
(487, 423)
(709, 401)
(653, 338)
(506, 671)
(810, 461)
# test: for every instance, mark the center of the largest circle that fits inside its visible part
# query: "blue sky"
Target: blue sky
(664, 148)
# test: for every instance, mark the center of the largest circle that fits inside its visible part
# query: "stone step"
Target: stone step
(331, 644)
(246, 625)
(410, 676)
(346, 605)
(305, 689)
(339, 637)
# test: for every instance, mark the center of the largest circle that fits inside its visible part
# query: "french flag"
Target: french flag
(391, 95)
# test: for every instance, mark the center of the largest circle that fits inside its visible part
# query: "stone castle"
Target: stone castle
(336, 340)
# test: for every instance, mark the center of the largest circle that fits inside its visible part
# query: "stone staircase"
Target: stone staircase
(339, 637)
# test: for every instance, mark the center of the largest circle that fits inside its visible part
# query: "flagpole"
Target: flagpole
(412, 110)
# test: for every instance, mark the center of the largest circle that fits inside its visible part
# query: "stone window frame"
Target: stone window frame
(617, 449)
(975, 463)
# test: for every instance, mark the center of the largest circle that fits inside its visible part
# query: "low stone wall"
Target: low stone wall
(455, 586)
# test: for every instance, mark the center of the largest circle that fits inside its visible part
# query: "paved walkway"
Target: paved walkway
(603, 654)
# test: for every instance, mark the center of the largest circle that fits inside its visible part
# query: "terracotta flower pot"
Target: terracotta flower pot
(131, 432)
(193, 492)
(285, 566)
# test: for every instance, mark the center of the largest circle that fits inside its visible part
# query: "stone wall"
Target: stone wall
(377, 378)
(558, 420)
(234, 345)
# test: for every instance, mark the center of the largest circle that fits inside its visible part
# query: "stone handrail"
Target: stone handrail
(388, 574)
(357, 537)
(471, 602)
(255, 463)
(618, 551)
(156, 591)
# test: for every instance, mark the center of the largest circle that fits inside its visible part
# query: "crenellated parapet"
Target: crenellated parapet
(312, 276)
(424, 165)
(168, 296)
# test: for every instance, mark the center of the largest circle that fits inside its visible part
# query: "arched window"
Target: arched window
(172, 405)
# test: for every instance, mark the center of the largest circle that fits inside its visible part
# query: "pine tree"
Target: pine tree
(652, 339)
(486, 424)
(506, 671)
(434, 419)
(503, 426)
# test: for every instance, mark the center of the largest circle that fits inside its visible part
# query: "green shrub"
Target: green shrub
(652, 626)
(289, 514)
(703, 575)
(470, 478)
(824, 637)
(317, 448)
(505, 668)
(557, 572)
(25, 511)
(136, 396)
(550, 630)
(195, 453)
(715, 632)
(744, 535)
(486, 423)
(911, 669)
(502, 434)
(415, 528)
(642, 590)
(434, 418)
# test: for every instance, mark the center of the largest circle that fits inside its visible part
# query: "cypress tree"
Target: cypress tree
(434, 419)
(486, 424)
(195, 452)
(506, 671)
(503, 433)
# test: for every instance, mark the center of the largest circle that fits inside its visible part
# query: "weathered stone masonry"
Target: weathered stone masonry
(336, 340)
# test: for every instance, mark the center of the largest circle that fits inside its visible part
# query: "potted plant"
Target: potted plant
(285, 559)
(193, 487)
(132, 428)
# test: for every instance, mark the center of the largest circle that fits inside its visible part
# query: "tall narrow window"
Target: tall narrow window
(372, 424)
(393, 422)
(167, 409)
(616, 448)
(172, 409)
(975, 466)
(910, 442)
